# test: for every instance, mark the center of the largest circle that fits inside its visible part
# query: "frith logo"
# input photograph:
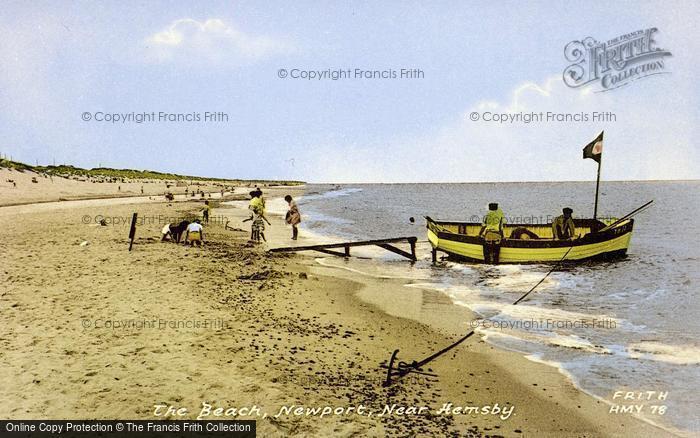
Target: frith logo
(616, 62)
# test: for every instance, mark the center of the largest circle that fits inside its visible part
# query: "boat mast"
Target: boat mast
(594, 150)
(597, 186)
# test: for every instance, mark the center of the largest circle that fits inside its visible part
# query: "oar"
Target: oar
(627, 216)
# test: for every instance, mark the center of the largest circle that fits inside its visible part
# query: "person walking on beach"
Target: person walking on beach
(293, 216)
(205, 212)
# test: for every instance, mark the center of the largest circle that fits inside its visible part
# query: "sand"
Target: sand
(87, 334)
(17, 188)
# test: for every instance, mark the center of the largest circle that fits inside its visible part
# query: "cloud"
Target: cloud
(212, 40)
(649, 137)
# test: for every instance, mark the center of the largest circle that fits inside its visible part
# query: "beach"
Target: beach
(95, 331)
(356, 219)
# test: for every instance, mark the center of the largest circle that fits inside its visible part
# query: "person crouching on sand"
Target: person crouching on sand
(166, 233)
(293, 216)
(195, 233)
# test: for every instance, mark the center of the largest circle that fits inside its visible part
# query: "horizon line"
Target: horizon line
(510, 182)
(357, 182)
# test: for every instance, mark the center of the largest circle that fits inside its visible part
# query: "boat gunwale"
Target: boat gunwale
(588, 239)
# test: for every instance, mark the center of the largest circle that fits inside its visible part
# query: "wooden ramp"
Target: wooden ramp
(329, 248)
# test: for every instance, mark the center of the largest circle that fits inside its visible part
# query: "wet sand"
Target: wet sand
(94, 331)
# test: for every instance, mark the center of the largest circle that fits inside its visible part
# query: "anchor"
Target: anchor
(402, 369)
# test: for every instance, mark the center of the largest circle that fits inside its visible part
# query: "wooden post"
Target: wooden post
(347, 250)
(434, 254)
(132, 231)
(413, 248)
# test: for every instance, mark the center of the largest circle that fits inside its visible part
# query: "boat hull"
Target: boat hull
(604, 245)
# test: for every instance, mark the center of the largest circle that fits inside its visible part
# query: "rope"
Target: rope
(545, 277)
(406, 368)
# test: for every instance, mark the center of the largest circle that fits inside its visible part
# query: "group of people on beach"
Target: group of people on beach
(258, 218)
(192, 233)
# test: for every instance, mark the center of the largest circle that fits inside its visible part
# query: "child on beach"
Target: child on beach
(293, 216)
(205, 212)
(166, 233)
(194, 234)
(257, 229)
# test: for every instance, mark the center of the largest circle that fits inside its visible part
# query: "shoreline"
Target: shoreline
(296, 334)
(369, 282)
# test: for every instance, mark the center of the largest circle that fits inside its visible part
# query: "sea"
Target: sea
(626, 332)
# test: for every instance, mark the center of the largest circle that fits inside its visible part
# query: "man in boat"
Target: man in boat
(563, 227)
(492, 232)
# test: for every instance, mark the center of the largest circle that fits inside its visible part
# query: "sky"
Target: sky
(64, 62)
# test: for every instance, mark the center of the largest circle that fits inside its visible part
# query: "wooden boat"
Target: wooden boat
(532, 243)
(535, 243)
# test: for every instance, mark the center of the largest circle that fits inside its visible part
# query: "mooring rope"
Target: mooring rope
(545, 277)
(404, 368)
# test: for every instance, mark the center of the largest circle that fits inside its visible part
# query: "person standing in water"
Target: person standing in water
(293, 216)
(493, 221)
(492, 233)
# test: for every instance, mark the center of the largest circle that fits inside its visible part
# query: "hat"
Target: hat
(493, 206)
(567, 210)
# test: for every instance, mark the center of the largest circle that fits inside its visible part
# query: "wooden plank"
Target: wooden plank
(328, 251)
(395, 250)
(344, 244)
